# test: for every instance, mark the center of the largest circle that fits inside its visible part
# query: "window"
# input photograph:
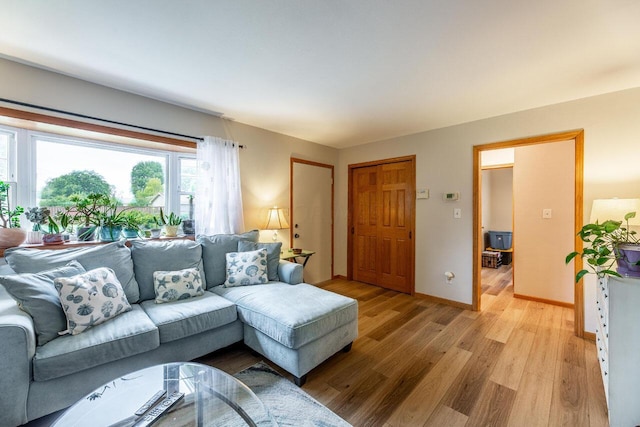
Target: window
(52, 168)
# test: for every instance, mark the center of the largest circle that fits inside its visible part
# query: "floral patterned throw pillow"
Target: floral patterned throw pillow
(246, 268)
(90, 298)
(177, 285)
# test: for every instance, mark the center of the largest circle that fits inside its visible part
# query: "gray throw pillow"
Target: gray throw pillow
(214, 251)
(150, 256)
(115, 256)
(37, 296)
(273, 256)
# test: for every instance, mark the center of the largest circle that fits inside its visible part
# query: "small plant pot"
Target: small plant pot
(171, 230)
(52, 239)
(629, 259)
(147, 234)
(155, 233)
(86, 234)
(110, 234)
(34, 237)
(189, 226)
(130, 233)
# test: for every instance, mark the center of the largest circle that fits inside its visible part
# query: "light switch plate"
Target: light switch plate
(422, 193)
(457, 213)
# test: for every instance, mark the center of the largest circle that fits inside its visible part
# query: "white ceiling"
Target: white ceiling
(337, 72)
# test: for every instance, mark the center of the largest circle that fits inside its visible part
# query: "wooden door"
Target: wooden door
(382, 224)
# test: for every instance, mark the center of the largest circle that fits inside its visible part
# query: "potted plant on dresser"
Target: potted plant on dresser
(10, 232)
(608, 243)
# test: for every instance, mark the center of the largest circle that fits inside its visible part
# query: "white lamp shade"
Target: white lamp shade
(276, 220)
(615, 209)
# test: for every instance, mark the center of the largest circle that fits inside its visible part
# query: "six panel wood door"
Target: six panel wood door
(382, 225)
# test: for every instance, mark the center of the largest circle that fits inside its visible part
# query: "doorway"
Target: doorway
(312, 216)
(380, 242)
(576, 141)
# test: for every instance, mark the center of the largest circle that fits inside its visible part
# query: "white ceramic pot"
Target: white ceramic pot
(34, 237)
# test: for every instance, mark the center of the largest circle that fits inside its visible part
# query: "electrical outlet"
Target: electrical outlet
(546, 213)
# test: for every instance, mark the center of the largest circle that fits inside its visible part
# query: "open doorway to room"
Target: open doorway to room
(547, 214)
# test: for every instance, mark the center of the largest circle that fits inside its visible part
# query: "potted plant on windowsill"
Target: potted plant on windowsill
(38, 217)
(132, 221)
(111, 221)
(170, 223)
(609, 243)
(10, 232)
(55, 228)
(85, 212)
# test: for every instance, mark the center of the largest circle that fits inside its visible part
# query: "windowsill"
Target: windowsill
(78, 244)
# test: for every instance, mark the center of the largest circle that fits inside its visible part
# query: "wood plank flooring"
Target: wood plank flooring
(418, 363)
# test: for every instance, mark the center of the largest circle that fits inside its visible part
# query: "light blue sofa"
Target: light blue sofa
(296, 327)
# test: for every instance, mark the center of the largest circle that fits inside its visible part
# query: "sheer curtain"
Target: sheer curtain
(218, 193)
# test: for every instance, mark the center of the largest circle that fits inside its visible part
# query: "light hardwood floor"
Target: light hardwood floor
(516, 363)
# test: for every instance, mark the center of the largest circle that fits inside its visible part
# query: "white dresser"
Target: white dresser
(618, 345)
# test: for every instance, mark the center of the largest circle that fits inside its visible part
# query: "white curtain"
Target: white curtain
(218, 195)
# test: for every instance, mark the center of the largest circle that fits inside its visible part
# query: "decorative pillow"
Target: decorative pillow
(91, 298)
(273, 255)
(177, 285)
(113, 255)
(214, 249)
(37, 296)
(246, 268)
(165, 255)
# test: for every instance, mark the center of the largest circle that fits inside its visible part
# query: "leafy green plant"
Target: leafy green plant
(110, 214)
(600, 251)
(9, 218)
(163, 219)
(85, 209)
(58, 224)
(133, 219)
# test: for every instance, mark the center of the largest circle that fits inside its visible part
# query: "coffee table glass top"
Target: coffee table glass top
(211, 398)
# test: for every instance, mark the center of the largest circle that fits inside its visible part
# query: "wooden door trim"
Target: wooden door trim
(292, 161)
(350, 210)
(578, 137)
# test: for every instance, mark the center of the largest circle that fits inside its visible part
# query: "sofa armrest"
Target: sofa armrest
(290, 272)
(17, 335)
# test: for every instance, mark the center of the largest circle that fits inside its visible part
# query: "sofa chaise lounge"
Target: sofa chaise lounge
(296, 327)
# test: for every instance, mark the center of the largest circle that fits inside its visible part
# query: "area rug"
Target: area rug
(288, 404)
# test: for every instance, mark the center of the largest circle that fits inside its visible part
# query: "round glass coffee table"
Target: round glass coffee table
(205, 396)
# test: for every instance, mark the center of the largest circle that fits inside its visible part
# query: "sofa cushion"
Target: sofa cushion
(37, 296)
(273, 255)
(128, 334)
(183, 318)
(214, 249)
(246, 268)
(114, 255)
(167, 255)
(291, 315)
(177, 285)
(91, 298)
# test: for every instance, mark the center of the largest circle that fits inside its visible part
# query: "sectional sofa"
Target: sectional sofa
(296, 327)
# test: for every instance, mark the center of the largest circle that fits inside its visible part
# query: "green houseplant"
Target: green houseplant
(170, 223)
(10, 232)
(38, 217)
(85, 210)
(111, 219)
(608, 243)
(55, 227)
(133, 220)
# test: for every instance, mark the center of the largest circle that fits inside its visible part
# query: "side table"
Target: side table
(288, 255)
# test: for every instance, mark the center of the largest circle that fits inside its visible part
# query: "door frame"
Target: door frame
(292, 161)
(350, 219)
(577, 136)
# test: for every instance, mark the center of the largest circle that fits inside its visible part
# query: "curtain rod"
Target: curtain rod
(113, 122)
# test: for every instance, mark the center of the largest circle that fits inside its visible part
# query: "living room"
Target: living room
(607, 113)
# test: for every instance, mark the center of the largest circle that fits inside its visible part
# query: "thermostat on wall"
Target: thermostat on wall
(451, 196)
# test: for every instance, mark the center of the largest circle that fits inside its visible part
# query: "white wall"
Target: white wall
(264, 165)
(501, 199)
(444, 163)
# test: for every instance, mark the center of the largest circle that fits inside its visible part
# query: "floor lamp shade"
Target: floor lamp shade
(615, 209)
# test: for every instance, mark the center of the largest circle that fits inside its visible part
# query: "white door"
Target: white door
(312, 216)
